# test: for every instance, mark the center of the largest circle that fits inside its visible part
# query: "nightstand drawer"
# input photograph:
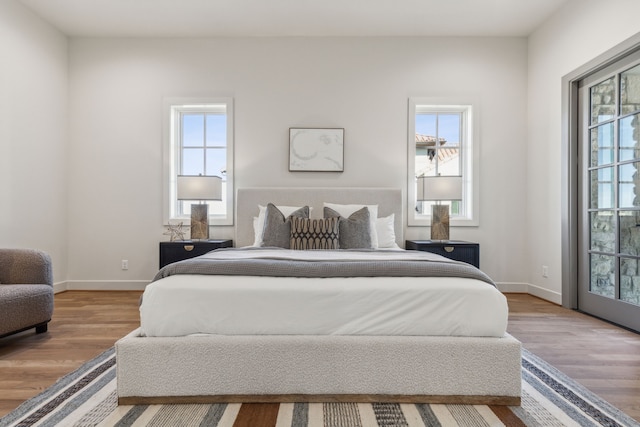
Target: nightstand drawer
(457, 250)
(177, 251)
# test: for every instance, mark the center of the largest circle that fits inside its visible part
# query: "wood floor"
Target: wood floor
(84, 324)
(602, 357)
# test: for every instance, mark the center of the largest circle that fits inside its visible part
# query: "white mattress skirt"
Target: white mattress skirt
(242, 305)
(219, 365)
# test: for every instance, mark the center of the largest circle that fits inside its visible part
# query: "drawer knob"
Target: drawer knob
(188, 248)
(449, 248)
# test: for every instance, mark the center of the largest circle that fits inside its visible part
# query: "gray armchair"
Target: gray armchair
(26, 291)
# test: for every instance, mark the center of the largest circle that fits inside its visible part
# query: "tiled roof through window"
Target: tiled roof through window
(445, 154)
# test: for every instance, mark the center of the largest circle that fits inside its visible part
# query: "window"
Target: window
(441, 143)
(609, 138)
(199, 141)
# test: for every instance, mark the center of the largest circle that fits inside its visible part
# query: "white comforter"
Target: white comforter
(240, 305)
(245, 305)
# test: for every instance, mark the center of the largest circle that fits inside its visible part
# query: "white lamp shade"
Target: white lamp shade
(199, 187)
(435, 188)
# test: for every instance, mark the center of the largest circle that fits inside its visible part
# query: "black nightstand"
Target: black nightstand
(453, 249)
(185, 249)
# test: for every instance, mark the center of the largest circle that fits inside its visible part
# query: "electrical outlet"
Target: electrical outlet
(545, 271)
(125, 264)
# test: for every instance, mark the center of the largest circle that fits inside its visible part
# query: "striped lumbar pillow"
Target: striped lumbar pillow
(314, 233)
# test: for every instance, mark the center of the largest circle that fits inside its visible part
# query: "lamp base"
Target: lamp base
(440, 222)
(200, 222)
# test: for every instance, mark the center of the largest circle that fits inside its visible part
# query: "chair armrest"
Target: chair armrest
(25, 266)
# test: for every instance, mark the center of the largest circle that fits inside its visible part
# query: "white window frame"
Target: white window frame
(172, 107)
(469, 165)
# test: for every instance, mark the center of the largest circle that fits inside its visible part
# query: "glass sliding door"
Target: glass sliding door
(609, 197)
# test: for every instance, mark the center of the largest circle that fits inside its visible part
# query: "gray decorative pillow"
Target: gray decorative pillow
(314, 233)
(277, 228)
(354, 231)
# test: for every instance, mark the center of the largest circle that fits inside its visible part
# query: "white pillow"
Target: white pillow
(347, 210)
(258, 222)
(386, 232)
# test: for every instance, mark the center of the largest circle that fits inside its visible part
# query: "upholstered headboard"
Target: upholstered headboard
(389, 201)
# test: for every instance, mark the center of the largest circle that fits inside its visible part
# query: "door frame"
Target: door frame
(570, 157)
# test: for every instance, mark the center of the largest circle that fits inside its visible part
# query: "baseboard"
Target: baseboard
(527, 288)
(545, 294)
(139, 285)
(59, 287)
(101, 285)
(512, 287)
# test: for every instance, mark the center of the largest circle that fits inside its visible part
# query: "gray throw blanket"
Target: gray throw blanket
(277, 262)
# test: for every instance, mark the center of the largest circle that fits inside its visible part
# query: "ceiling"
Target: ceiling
(231, 18)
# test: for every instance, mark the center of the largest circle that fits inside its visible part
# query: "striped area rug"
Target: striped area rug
(87, 397)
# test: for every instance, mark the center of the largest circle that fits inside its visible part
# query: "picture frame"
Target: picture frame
(316, 149)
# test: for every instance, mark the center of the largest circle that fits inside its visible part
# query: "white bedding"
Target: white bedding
(241, 305)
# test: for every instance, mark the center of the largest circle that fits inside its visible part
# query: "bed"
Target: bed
(355, 330)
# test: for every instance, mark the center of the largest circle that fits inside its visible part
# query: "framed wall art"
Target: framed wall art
(316, 149)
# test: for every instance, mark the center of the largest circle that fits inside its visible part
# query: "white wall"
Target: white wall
(579, 32)
(33, 135)
(360, 84)
(114, 89)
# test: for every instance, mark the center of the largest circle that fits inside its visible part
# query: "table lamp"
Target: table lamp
(436, 189)
(199, 188)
